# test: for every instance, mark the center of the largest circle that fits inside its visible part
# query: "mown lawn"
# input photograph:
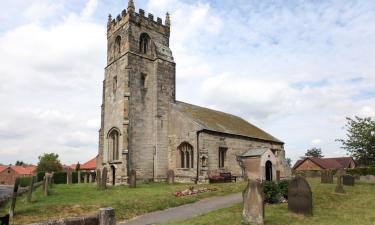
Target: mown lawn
(356, 207)
(86, 199)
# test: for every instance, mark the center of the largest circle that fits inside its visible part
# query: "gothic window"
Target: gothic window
(114, 88)
(143, 80)
(222, 155)
(144, 43)
(118, 45)
(113, 144)
(186, 156)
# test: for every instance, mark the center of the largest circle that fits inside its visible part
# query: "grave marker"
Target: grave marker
(339, 187)
(348, 180)
(133, 179)
(104, 179)
(170, 177)
(253, 203)
(300, 197)
(98, 178)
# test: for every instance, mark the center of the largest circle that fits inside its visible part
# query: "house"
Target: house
(8, 174)
(317, 164)
(89, 165)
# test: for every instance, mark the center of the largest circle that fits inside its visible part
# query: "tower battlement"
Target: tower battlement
(129, 14)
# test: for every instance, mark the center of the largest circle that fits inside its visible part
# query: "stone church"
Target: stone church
(144, 128)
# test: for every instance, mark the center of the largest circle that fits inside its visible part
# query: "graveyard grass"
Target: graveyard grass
(356, 206)
(86, 199)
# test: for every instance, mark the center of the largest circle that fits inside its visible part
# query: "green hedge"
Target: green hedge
(362, 171)
(25, 181)
(60, 177)
(40, 176)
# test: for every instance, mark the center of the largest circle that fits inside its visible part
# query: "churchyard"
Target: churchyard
(356, 206)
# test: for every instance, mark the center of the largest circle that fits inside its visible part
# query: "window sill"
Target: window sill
(185, 169)
(115, 162)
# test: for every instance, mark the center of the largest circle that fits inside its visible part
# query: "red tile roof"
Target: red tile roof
(2, 168)
(90, 165)
(327, 163)
(21, 170)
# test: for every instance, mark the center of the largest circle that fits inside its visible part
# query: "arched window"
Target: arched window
(186, 155)
(113, 144)
(118, 45)
(144, 42)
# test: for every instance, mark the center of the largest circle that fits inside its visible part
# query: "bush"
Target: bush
(283, 187)
(362, 171)
(59, 177)
(271, 192)
(40, 176)
(25, 181)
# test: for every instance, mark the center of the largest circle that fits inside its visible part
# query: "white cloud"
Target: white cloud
(316, 141)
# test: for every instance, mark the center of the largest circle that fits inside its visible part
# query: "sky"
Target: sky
(296, 69)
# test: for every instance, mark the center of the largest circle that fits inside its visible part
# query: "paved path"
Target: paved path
(185, 211)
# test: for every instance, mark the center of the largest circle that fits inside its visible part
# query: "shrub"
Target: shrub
(271, 192)
(283, 187)
(40, 176)
(362, 171)
(59, 177)
(25, 181)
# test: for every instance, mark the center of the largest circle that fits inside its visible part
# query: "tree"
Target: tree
(313, 152)
(360, 139)
(20, 163)
(49, 162)
(78, 166)
(289, 161)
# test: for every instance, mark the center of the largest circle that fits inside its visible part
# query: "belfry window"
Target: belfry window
(186, 156)
(222, 155)
(144, 42)
(113, 144)
(118, 45)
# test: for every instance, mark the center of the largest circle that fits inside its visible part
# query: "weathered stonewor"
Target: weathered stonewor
(326, 177)
(107, 216)
(133, 179)
(79, 176)
(69, 177)
(104, 179)
(31, 189)
(348, 180)
(170, 177)
(277, 175)
(300, 197)
(253, 203)
(339, 187)
(98, 178)
(14, 197)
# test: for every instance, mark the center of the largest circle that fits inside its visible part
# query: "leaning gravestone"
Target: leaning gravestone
(300, 196)
(348, 180)
(104, 179)
(170, 177)
(339, 187)
(133, 179)
(253, 203)
(14, 197)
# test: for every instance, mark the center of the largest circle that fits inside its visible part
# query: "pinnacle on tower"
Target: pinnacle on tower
(109, 19)
(167, 20)
(131, 7)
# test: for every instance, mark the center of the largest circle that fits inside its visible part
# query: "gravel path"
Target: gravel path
(185, 211)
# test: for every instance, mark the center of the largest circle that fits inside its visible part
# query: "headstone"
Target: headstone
(79, 176)
(85, 178)
(326, 177)
(339, 187)
(4, 220)
(253, 203)
(90, 178)
(104, 179)
(29, 195)
(340, 172)
(98, 178)
(348, 180)
(107, 216)
(14, 197)
(133, 179)
(69, 177)
(277, 176)
(300, 197)
(170, 177)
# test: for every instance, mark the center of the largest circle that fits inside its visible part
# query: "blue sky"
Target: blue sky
(294, 68)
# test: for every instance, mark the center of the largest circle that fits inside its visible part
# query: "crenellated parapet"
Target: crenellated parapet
(129, 15)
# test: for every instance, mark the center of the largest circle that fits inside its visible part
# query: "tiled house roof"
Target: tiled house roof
(90, 165)
(327, 163)
(223, 122)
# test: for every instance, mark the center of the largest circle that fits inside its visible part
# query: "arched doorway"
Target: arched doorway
(269, 170)
(113, 175)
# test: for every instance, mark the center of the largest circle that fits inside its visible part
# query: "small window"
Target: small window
(222, 155)
(113, 144)
(118, 45)
(114, 83)
(143, 80)
(186, 156)
(144, 43)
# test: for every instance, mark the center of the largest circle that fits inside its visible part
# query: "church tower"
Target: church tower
(138, 88)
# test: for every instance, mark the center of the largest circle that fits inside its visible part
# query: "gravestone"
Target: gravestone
(90, 178)
(348, 180)
(170, 177)
(104, 179)
(29, 195)
(253, 203)
(107, 216)
(339, 187)
(133, 179)
(326, 177)
(300, 197)
(277, 176)
(98, 178)
(69, 177)
(85, 178)
(14, 197)
(4, 220)
(79, 176)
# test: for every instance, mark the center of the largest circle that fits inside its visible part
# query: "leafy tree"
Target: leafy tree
(20, 163)
(360, 139)
(78, 166)
(313, 152)
(289, 161)
(49, 162)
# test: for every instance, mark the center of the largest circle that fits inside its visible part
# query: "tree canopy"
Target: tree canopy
(313, 152)
(49, 162)
(360, 139)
